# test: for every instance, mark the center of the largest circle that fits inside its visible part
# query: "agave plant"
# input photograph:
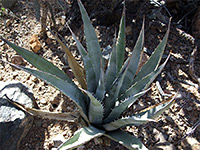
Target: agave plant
(105, 90)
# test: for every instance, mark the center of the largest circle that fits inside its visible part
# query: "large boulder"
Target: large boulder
(14, 123)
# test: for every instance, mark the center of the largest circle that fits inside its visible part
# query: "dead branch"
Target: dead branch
(191, 66)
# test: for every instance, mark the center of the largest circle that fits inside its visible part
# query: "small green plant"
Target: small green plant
(103, 95)
(2, 11)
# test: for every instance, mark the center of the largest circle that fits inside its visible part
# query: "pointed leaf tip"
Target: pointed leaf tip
(120, 45)
(92, 42)
(153, 62)
(134, 59)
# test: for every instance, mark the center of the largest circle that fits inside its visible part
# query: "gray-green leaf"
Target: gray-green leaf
(93, 46)
(39, 62)
(129, 141)
(95, 109)
(100, 92)
(154, 60)
(127, 121)
(145, 82)
(134, 61)
(111, 72)
(122, 106)
(64, 86)
(114, 92)
(80, 137)
(120, 45)
(155, 111)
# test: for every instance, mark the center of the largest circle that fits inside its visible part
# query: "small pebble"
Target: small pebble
(168, 118)
(81, 147)
(18, 60)
(98, 141)
(23, 17)
(170, 139)
(44, 125)
(48, 41)
(182, 128)
(43, 101)
(181, 112)
(189, 108)
(1, 42)
(8, 22)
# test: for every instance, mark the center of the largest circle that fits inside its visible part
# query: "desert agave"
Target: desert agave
(103, 93)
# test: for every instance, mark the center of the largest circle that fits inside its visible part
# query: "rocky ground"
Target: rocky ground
(19, 24)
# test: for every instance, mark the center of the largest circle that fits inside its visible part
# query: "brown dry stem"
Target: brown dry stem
(191, 67)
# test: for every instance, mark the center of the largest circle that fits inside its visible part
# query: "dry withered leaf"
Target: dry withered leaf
(35, 43)
(143, 60)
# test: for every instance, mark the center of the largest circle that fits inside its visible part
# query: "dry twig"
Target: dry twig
(191, 67)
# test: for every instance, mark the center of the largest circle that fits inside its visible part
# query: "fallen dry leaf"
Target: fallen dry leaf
(35, 43)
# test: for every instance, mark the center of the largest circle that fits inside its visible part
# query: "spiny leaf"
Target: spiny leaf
(76, 68)
(67, 88)
(80, 137)
(129, 141)
(122, 106)
(155, 58)
(114, 92)
(111, 71)
(93, 46)
(120, 46)
(156, 110)
(134, 61)
(39, 62)
(95, 109)
(100, 92)
(145, 82)
(126, 121)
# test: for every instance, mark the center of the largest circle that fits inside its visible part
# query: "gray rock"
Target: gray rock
(162, 143)
(14, 123)
(159, 136)
(163, 146)
(8, 3)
